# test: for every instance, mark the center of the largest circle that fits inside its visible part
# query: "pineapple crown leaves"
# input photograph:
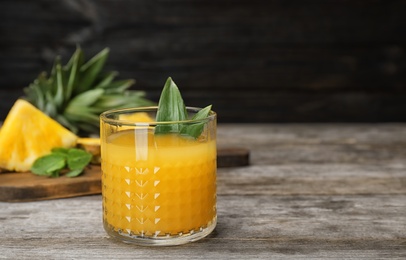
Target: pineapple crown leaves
(76, 93)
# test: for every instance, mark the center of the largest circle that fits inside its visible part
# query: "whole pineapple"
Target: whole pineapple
(76, 94)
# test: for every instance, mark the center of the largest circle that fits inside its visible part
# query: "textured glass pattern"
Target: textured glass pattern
(157, 188)
(160, 200)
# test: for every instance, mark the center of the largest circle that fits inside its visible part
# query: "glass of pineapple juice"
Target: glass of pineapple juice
(157, 189)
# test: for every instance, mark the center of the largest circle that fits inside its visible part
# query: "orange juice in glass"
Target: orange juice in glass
(158, 189)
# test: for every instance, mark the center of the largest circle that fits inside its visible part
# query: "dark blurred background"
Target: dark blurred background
(255, 61)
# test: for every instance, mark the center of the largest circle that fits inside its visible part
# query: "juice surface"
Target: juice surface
(158, 185)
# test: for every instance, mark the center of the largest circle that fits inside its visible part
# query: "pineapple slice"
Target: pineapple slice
(28, 133)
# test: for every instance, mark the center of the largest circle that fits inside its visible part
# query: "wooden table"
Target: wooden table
(311, 191)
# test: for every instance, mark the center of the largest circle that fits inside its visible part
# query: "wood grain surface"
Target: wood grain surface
(313, 191)
(19, 187)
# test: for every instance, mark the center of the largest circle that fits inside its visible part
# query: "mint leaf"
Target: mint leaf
(170, 108)
(195, 129)
(74, 173)
(49, 165)
(61, 151)
(78, 159)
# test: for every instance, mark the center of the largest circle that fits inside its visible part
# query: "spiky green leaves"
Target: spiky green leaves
(171, 108)
(76, 93)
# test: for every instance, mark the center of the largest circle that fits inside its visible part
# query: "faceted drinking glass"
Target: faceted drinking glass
(157, 188)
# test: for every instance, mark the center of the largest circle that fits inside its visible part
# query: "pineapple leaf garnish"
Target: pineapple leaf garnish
(171, 107)
(76, 93)
(196, 129)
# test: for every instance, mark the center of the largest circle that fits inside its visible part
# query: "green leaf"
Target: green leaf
(34, 96)
(78, 159)
(74, 173)
(81, 114)
(85, 122)
(107, 79)
(86, 98)
(49, 165)
(37, 90)
(119, 86)
(72, 68)
(50, 107)
(59, 87)
(110, 100)
(128, 99)
(89, 127)
(195, 129)
(91, 69)
(65, 122)
(61, 92)
(61, 151)
(53, 70)
(170, 108)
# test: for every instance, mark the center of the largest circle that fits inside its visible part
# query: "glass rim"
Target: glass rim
(104, 116)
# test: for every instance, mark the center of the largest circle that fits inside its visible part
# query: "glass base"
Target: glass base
(169, 240)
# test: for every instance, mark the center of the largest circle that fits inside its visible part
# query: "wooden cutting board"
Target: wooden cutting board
(20, 187)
